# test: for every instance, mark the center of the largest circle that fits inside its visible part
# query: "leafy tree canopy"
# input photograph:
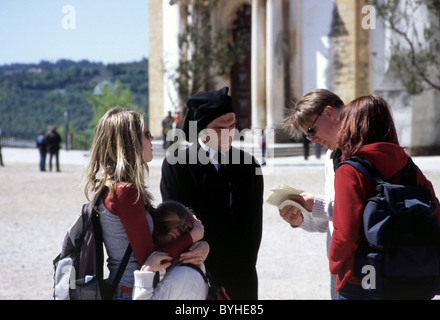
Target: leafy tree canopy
(36, 96)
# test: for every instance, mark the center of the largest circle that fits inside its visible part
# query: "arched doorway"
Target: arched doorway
(241, 71)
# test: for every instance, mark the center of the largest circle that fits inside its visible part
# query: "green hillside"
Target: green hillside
(35, 96)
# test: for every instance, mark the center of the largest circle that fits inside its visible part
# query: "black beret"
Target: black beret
(206, 106)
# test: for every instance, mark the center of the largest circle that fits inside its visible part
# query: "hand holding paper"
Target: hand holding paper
(280, 197)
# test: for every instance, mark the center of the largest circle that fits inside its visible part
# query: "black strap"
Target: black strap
(192, 266)
(122, 267)
(366, 167)
(336, 157)
(156, 279)
(99, 239)
(409, 172)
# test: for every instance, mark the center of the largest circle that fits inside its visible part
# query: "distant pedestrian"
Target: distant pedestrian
(263, 148)
(306, 143)
(1, 158)
(53, 140)
(167, 125)
(42, 147)
(177, 119)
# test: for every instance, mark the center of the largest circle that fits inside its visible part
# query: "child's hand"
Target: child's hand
(198, 230)
(156, 261)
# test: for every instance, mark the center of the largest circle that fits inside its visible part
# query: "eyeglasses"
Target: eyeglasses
(148, 135)
(310, 131)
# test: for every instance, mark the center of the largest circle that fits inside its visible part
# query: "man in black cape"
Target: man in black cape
(225, 190)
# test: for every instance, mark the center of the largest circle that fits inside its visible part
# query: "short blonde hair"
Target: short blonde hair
(311, 103)
(116, 154)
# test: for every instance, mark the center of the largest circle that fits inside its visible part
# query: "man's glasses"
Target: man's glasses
(148, 135)
(311, 131)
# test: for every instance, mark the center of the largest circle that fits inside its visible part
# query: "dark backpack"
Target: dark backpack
(78, 269)
(399, 256)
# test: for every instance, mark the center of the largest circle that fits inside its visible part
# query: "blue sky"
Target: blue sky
(97, 30)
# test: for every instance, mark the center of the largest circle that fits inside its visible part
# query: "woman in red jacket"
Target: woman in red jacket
(366, 130)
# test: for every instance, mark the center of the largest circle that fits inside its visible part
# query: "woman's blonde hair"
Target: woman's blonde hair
(116, 154)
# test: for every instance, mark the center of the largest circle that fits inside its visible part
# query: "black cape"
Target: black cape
(230, 205)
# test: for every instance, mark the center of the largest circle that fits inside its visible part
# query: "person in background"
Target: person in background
(177, 118)
(167, 125)
(1, 157)
(53, 140)
(42, 147)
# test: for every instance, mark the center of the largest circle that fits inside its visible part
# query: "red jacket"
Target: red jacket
(125, 204)
(352, 190)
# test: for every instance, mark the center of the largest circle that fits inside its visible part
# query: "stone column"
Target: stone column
(258, 62)
(155, 69)
(275, 92)
(350, 50)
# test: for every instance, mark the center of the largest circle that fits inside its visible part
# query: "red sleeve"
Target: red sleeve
(175, 248)
(132, 212)
(350, 199)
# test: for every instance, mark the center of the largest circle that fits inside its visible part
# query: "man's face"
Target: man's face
(324, 126)
(221, 132)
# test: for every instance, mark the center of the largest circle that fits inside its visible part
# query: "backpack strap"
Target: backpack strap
(121, 269)
(366, 167)
(409, 171)
(99, 241)
(190, 265)
(193, 266)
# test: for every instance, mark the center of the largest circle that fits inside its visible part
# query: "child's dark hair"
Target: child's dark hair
(172, 214)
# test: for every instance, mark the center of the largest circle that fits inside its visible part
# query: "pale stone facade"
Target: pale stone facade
(297, 46)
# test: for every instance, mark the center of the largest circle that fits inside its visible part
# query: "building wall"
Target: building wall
(350, 50)
(298, 46)
(155, 68)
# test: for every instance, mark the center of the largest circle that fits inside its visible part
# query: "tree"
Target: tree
(203, 53)
(109, 97)
(415, 45)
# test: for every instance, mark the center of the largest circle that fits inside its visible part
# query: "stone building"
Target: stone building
(296, 46)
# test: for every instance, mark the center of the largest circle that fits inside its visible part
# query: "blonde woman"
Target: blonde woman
(118, 166)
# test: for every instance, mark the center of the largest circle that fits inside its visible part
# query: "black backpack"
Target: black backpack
(399, 255)
(78, 269)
